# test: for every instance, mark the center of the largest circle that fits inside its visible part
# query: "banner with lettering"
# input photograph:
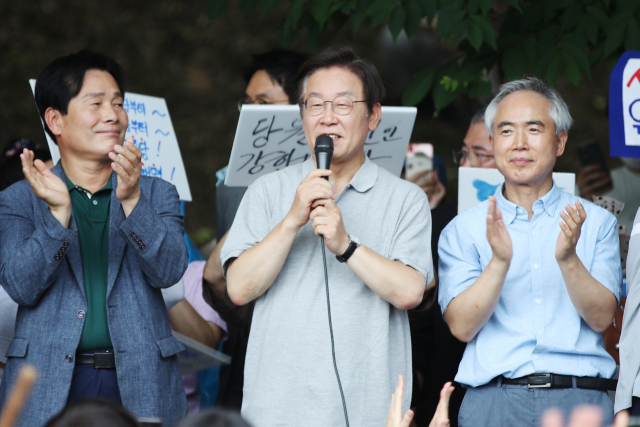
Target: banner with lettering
(624, 107)
(270, 137)
(475, 185)
(152, 131)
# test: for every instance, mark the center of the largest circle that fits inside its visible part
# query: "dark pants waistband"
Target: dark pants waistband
(101, 359)
(560, 381)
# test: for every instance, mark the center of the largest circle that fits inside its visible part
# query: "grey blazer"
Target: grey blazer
(629, 378)
(41, 270)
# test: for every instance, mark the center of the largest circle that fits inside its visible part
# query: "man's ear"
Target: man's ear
(374, 117)
(491, 140)
(562, 142)
(52, 118)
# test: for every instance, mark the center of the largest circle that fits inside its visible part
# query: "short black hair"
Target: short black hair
(62, 80)
(282, 65)
(93, 413)
(214, 417)
(343, 57)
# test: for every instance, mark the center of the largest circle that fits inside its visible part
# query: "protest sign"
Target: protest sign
(198, 356)
(152, 131)
(270, 137)
(475, 185)
(624, 107)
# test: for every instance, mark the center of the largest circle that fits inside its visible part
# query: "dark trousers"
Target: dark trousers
(89, 382)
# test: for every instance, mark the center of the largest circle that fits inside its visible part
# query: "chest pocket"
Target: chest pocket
(18, 347)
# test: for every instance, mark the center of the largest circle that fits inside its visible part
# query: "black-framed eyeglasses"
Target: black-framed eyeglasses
(476, 159)
(341, 105)
(259, 101)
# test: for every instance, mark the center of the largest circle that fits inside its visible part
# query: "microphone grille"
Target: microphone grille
(324, 143)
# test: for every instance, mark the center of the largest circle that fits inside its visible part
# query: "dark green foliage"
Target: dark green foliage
(546, 38)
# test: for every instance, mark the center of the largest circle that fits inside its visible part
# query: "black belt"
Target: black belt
(101, 360)
(560, 381)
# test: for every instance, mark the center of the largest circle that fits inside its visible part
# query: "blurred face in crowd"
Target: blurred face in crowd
(348, 131)
(477, 149)
(524, 139)
(95, 119)
(262, 89)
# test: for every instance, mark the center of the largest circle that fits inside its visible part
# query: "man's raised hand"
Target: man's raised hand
(395, 417)
(497, 233)
(128, 166)
(47, 187)
(570, 231)
(312, 188)
(327, 221)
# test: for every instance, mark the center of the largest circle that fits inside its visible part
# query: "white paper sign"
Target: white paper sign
(475, 185)
(270, 137)
(198, 356)
(631, 102)
(150, 126)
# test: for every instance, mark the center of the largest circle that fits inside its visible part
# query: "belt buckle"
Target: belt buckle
(103, 360)
(539, 381)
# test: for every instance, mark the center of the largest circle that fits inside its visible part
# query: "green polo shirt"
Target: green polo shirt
(91, 212)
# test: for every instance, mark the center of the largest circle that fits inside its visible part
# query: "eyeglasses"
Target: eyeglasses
(476, 159)
(342, 105)
(258, 101)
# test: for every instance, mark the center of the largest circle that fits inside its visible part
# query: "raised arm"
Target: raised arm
(594, 302)
(254, 271)
(467, 313)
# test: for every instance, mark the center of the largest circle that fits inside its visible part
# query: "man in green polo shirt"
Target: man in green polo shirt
(85, 249)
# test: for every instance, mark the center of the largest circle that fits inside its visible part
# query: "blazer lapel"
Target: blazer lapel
(117, 245)
(73, 255)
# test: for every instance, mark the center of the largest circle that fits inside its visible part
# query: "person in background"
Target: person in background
(85, 249)
(93, 413)
(270, 79)
(436, 352)
(532, 284)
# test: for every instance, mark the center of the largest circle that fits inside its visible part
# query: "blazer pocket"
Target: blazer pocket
(18, 347)
(169, 346)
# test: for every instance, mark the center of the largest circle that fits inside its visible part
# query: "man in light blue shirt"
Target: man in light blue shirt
(532, 284)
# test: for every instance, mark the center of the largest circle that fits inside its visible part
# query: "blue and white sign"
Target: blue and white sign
(624, 107)
(152, 131)
(475, 185)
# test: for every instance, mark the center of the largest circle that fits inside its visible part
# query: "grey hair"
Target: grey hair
(478, 117)
(558, 110)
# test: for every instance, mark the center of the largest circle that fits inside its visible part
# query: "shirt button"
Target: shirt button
(538, 301)
(95, 202)
(81, 314)
(534, 233)
(537, 357)
(535, 266)
(69, 358)
(539, 332)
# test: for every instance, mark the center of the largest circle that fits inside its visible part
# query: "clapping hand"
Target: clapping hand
(47, 186)
(497, 233)
(570, 233)
(441, 417)
(395, 418)
(128, 166)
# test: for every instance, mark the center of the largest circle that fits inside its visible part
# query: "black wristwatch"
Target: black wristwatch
(353, 245)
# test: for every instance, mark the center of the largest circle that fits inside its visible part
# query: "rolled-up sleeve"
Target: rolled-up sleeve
(606, 267)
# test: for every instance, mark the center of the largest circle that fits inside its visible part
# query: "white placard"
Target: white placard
(270, 137)
(475, 185)
(198, 356)
(631, 102)
(150, 126)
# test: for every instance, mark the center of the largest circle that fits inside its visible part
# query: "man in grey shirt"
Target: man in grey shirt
(379, 228)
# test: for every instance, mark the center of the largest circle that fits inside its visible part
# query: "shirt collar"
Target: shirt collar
(509, 209)
(71, 186)
(362, 181)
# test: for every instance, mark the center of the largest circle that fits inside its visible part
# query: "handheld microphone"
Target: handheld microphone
(324, 151)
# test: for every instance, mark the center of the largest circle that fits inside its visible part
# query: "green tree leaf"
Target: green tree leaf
(592, 29)
(554, 69)
(478, 88)
(473, 6)
(443, 97)
(486, 6)
(414, 16)
(517, 4)
(615, 36)
(474, 34)
(529, 48)
(632, 40)
(599, 14)
(429, 8)
(571, 69)
(488, 33)
(378, 11)
(314, 33)
(570, 17)
(320, 10)
(513, 63)
(419, 86)
(359, 15)
(396, 20)
(215, 8)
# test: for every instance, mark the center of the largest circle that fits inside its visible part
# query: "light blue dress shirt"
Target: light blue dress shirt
(535, 328)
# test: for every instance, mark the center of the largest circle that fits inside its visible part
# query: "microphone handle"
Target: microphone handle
(323, 160)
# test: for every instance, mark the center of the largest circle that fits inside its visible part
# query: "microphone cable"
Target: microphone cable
(333, 347)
